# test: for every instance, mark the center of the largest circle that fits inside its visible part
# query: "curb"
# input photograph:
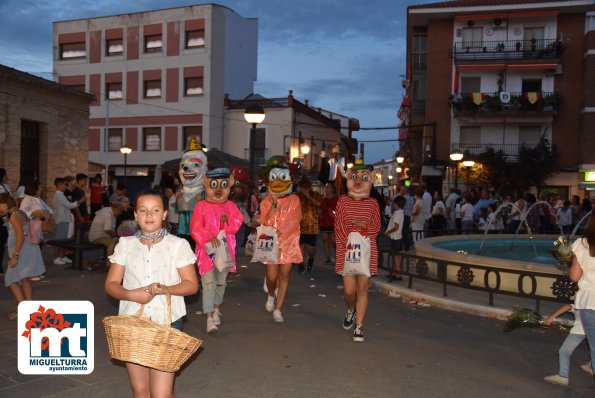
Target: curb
(441, 302)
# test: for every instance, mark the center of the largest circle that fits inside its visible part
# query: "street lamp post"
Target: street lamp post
(468, 165)
(456, 156)
(125, 150)
(254, 114)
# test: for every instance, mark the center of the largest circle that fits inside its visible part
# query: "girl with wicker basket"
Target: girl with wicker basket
(142, 268)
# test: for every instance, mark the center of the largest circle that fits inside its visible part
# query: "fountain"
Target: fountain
(503, 252)
(579, 223)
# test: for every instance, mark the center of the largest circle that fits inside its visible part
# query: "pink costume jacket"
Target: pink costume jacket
(205, 225)
(285, 218)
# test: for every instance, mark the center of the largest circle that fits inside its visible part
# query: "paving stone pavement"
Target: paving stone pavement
(411, 350)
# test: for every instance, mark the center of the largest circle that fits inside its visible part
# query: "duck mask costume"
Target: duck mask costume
(360, 178)
(218, 183)
(277, 177)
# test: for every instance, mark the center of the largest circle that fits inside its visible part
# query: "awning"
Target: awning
(481, 66)
(431, 171)
(505, 15)
(532, 66)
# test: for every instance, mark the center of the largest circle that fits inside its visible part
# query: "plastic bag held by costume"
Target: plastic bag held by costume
(266, 249)
(221, 256)
(357, 255)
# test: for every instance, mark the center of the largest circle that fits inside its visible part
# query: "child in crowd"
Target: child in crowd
(395, 232)
(564, 215)
(81, 213)
(98, 194)
(574, 338)
(141, 266)
(210, 216)
(482, 224)
(309, 224)
(24, 258)
(62, 217)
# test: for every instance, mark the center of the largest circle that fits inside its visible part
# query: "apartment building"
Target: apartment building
(159, 77)
(501, 74)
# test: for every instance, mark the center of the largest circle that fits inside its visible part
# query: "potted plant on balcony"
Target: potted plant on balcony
(500, 47)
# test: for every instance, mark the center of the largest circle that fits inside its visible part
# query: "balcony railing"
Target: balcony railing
(507, 50)
(418, 107)
(505, 103)
(510, 151)
(260, 155)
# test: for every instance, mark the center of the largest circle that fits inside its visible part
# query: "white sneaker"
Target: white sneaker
(270, 304)
(66, 260)
(217, 317)
(59, 261)
(587, 368)
(277, 317)
(211, 327)
(557, 379)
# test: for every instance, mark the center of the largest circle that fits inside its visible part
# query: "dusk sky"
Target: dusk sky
(346, 56)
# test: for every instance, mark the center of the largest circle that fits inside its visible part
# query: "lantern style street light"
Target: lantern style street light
(456, 156)
(468, 165)
(254, 114)
(400, 159)
(125, 150)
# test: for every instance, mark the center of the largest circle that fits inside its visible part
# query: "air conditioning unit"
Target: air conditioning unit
(499, 24)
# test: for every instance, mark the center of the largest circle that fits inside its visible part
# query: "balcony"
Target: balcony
(550, 49)
(510, 151)
(524, 103)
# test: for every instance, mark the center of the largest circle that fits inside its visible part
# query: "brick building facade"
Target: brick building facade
(43, 127)
(501, 75)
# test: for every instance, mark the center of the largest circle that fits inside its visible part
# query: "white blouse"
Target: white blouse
(159, 264)
(585, 298)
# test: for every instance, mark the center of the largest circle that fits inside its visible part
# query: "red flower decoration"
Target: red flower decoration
(43, 319)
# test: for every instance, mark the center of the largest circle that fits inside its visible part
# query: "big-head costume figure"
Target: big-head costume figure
(332, 169)
(192, 169)
(213, 214)
(281, 210)
(357, 212)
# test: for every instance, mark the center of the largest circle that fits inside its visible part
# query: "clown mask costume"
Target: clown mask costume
(193, 165)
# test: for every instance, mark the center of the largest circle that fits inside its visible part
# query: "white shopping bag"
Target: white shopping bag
(221, 255)
(266, 248)
(249, 247)
(357, 255)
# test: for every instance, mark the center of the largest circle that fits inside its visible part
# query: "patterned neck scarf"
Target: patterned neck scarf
(162, 232)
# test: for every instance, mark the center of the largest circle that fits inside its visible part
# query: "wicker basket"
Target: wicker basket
(131, 338)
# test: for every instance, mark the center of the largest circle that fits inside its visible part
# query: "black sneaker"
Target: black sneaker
(358, 333)
(301, 268)
(349, 319)
(310, 264)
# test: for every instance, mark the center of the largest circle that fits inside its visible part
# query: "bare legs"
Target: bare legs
(328, 241)
(277, 277)
(150, 383)
(355, 294)
(22, 292)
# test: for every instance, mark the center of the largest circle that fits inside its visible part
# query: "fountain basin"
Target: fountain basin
(514, 253)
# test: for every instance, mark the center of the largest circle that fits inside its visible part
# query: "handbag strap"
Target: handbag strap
(167, 301)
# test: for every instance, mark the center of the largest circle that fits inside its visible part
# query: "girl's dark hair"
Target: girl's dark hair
(31, 188)
(154, 192)
(589, 235)
(7, 200)
(2, 174)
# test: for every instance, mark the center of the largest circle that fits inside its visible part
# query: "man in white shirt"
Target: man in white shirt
(62, 217)
(103, 228)
(427, 208)
(450, 210)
